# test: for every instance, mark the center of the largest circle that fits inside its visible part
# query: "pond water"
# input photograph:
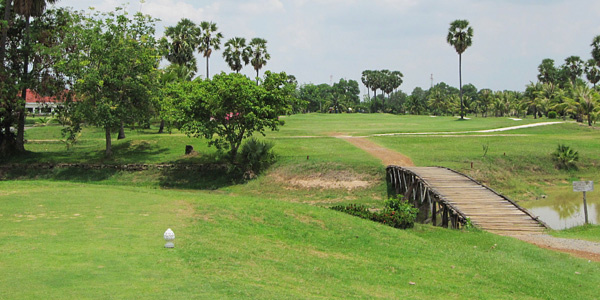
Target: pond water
(563, 208)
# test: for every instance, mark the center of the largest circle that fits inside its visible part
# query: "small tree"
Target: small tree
(565, 157)
(230, 108)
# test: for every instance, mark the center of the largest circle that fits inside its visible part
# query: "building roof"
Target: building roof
(33, 97)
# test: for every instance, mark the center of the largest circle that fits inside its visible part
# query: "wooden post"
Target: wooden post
(445, 217)
(434, 213)
(585, 208)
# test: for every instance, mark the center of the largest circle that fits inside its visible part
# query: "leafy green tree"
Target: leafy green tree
(180, 42)
(416, 103)
(27, 9)
(210, 40)
(258, 54)
(230, 108)
(115, 69)
(548, 73)
(460, 36)
(485, 99)
(29, 43)
(236, 52)
(345, 95)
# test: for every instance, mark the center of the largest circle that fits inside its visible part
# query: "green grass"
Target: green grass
(586, 232)
(76, 233)
(68, 240)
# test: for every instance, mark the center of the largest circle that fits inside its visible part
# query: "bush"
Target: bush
(565, 157)
(256, 155)
(397, 213)
(551, 114)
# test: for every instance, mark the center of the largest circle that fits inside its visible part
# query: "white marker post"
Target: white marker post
(583, 186)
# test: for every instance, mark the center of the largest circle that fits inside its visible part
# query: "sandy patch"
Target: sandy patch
(344, 179)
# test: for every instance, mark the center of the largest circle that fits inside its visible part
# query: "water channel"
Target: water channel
(562, 208)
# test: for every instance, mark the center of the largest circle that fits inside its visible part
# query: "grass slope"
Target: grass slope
(66, 240)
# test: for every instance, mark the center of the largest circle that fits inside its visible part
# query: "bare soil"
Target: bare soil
(387, 156)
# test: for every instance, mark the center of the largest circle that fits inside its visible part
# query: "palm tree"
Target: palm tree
(574, 68)
(460, 36)
(259, 54)
(592, 73)
(28, 9)
(184, 38)
(596, 50)
(587, 99)
(210, 40)
(236, 52)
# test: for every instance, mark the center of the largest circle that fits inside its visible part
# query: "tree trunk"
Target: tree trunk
(462, 108)
(207, 77)
(121, 131)
(256, 76)
(21, 109)
(7, 9)
(108, 152)
(161, 129)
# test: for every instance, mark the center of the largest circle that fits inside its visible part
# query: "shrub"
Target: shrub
(256, 155)
(565, 157)
(551, 114)
(397, 213)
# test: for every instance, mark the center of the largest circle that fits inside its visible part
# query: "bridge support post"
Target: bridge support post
(433, 213)
(445, 217)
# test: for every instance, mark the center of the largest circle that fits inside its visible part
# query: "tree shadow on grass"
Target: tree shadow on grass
(73, 174)
(209, 177)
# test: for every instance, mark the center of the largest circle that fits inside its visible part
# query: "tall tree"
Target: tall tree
(592, 72)
(366, 81)
(548, 73)
(596, 49)
(236, 52)
(573, 68)
(210, 40)
(460, 36)
(259, 55)
(180, 43)
(28, 9)
(115, 69)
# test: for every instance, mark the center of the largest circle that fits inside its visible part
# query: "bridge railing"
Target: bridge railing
(433, 206)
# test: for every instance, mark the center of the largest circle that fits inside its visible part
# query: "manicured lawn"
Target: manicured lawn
(80, 241)
(585, 232)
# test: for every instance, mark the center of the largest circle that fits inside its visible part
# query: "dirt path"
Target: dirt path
(580, 248)
(387, 156)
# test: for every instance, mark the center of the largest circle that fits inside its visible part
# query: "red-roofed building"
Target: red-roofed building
(37, 104)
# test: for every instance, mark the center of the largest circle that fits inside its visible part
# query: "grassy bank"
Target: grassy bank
(66, 240)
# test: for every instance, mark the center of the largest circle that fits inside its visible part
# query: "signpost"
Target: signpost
(583, 186)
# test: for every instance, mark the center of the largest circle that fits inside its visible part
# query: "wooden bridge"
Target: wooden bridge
(450, 199)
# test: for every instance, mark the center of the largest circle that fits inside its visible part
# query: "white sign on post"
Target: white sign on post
(583, 186)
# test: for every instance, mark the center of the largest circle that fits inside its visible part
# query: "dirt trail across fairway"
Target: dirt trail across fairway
(387, 156)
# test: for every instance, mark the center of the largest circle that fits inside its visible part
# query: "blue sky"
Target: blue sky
(325, 40)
